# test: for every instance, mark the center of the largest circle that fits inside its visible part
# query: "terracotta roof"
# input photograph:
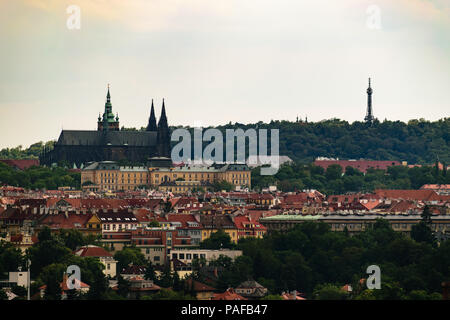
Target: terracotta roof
(64, 286)
(21, 164)
(290, 296)
(229, 294)
(361, 165)
(198, 286)
(61, 221)
(92, 251)
(423, 195)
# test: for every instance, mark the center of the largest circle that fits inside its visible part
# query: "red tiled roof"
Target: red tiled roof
(61, 221)
(361, 165)
(290, 296)
(21, 164)
(229, 294)
(92, 251)
(198, 286)
(423, 195)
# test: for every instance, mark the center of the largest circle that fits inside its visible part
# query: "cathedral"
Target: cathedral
(109, 143)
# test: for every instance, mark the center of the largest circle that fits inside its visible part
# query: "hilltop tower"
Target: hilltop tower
(369, 116)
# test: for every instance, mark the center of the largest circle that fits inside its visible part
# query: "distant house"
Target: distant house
(251, 289)
(140, 287)
(21, 164)
(361, 165)
(104, 256)
(133, 271)
(229, 294)
(294, 295)
(201, 290)
(83, 288)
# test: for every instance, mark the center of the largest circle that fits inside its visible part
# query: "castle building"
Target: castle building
(109, 143)
(109, 176)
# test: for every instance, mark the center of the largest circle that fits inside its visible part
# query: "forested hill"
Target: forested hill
(418, 141)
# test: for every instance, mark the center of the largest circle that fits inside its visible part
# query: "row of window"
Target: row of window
(188, 256)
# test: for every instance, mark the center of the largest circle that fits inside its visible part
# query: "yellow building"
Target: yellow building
(214, 223)
(186, 178)
(109, 176)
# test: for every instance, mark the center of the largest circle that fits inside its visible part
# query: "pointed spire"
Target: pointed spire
(152, 120)
(163, 118)
(108, 96)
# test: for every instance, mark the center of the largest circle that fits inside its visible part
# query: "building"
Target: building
(83, 288)
(188, 255)
(105, 257)
(157, 243)
(108, 142)
(117, 220)
(140, 287)
(361, 165)
(110, 176)
(200, 290)
(251, 289)
(213, 223)
(358, 222)
(20, 164)
(229, 294)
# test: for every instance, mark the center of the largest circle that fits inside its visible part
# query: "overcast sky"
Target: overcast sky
(216, 61)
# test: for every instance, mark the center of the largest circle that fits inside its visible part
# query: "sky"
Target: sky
(216, 61)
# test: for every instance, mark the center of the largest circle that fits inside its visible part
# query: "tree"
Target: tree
(129, 256)
(166, 278)
(153, 224)
(11, 258)
(150, 271)
(426, 215)
(52, 276)
(167, 294)
(72, 238)
(217, 240)
(3, 295)
(272, 297)
(329, 292)
(421, 232)
(123, 286)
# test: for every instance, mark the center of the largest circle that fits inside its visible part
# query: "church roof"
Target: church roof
(116, 138)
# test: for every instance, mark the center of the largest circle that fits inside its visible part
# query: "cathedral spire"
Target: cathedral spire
(108, 121)
(369, 114)
(163, 113)
(108, 96)
(152, 120)
(163, 135)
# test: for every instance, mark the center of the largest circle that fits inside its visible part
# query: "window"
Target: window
(181, 255)
(156, 258)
